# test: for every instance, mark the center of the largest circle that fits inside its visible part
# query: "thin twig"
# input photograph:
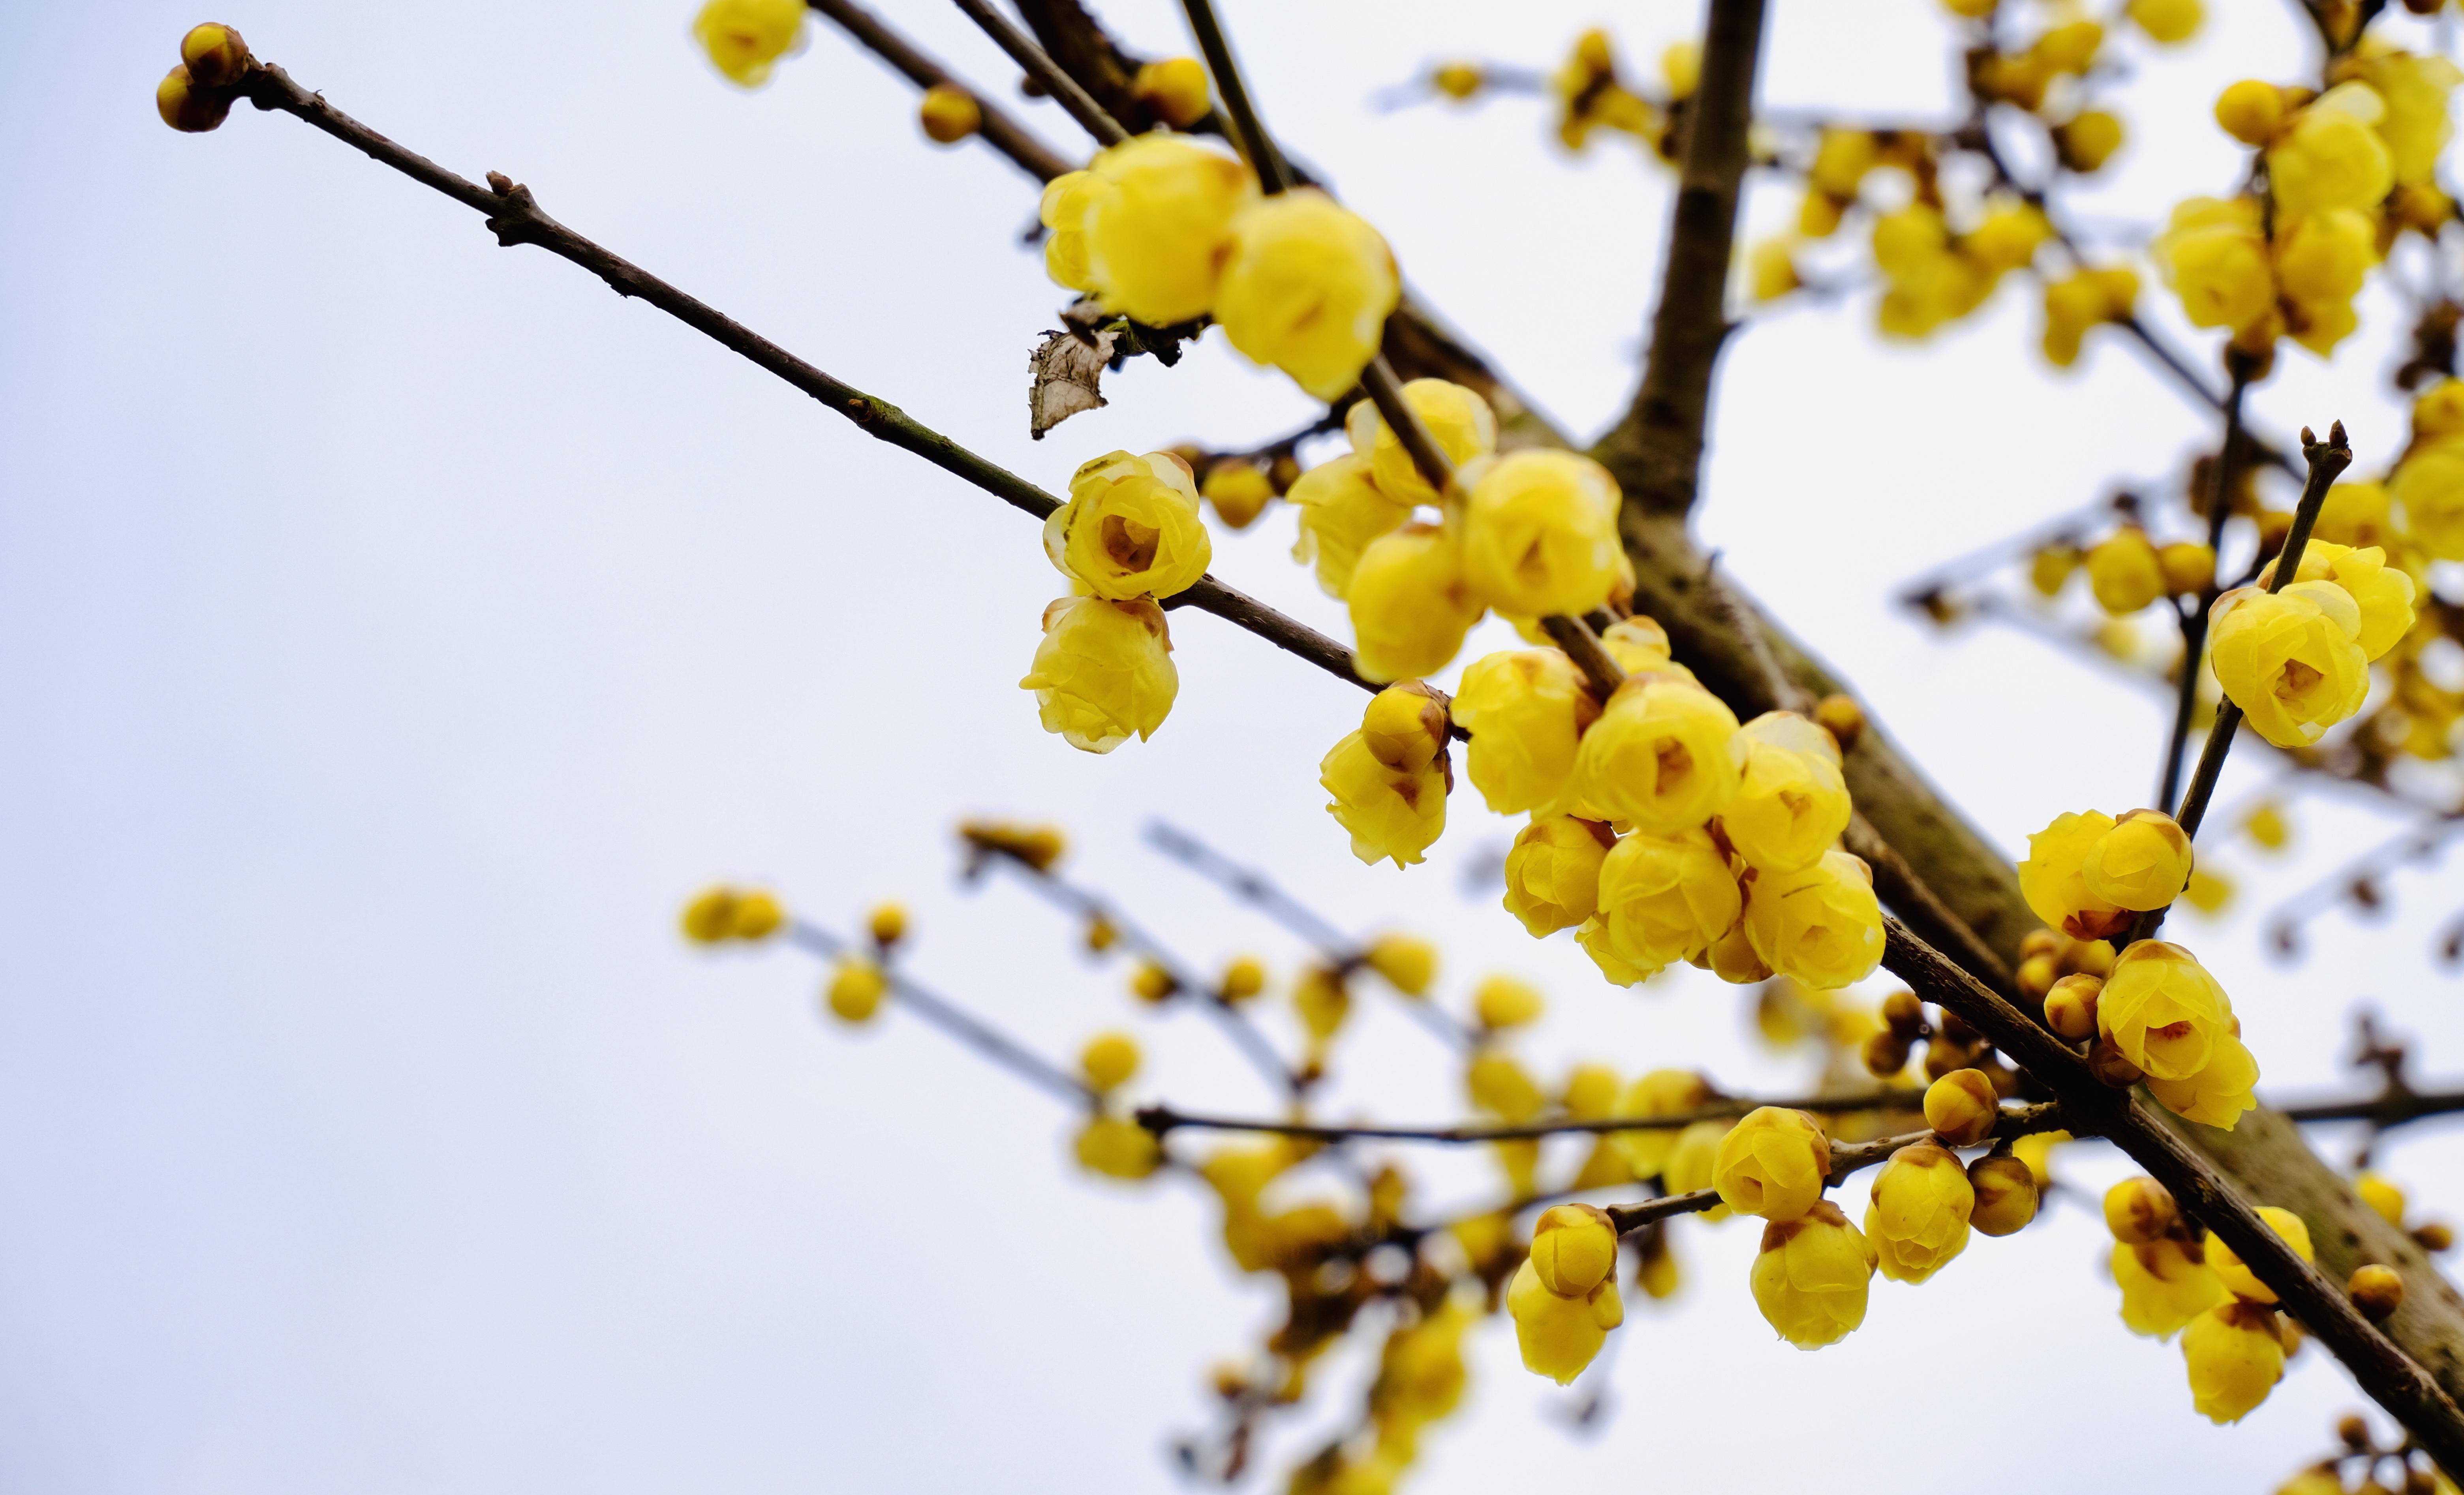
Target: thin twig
(997, 130)
(2194, 622)
(1047, 74)
(1161, 1120)
(1249, 132)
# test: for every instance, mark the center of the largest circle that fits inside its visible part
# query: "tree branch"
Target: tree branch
(997, 130)
(1047, 75)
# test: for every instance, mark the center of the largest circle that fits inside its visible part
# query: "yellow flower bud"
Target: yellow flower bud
(2381, 1194)
(2069, 47)
(2072, 305)
(1526, 709)
(2052, 877)
(1410, 601)
(1391, 813)
(1130, 528)
(2088, 140)
(2236, 1278)
(1774, 1163)
(1244, 978)
(2124, 572)
(1408, 962)
(2215, 256)
(2163, 1285)
(1559, 1336)
(2332, 156)
(1152, 984)
(1661, 756)
(949, 114)
(2070, 1007)
(188, 105)
(2036, 1151)
(2217, 1095)
(2429, 487)
(1117, 1147)
(1458, 80)
(2251, 111)
(1174, 89)
(2235, 1357)
(1062, 209)
(1917, 1217)
(2142, 862)
(2439, 410)
(1502, 1001)
(1573, 1249)
(755, 916)
(2381, 593)
(1638, 644)
(1460, 420)
(1103, 672)
(1665, 898)
(1733, 958)
(1961, 1106)
(1499, 1085)
(2162, 1010)
(1771, 268)
(1108, 1060)
(1239, 491)
(2139, 1211)
(1308, 289)
(1812, 1277)
(2170, 22)
(2291, 659)
(1341, 511)
(1792, 804)
(887, 923)
(1552, 873)
(1540, 531)
(711, 917)
(2005, 1195)
(214, 55)
(856, 989)
(1321, 1000)
(745, 39)
(2324, 257)
(2376, 1290)
(1820, 925)
(1404, 727)
(1158, 238)
(2355, 514)
(1039, 846)
(1664, 1092)
(2188, 566)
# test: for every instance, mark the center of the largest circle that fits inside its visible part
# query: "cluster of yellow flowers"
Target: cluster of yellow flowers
(1111, 1144)
(1590, 95)
(2346, 170)
(2172, 1279)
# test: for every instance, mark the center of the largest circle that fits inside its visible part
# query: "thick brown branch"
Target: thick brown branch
(997, 130)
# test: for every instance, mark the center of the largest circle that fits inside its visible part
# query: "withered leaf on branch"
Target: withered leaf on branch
(1066, 371)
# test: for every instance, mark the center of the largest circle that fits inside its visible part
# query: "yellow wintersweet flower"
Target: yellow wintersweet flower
(2214, 257)
(2356, 513)
(2383, 1194)
(1404, 727)
(2008, 236)
(2005, 1195)
(1499, 1085)
(1062, 209)
(1553, 872)
(2333, 156)
(2429, 486)
(2142, 862)
(2163, 1285)
(1460, 420)
(1662, 1092)
(1558, 1334)
(1665, 898)
(1159, 236)
(1409, 602)
(1408, 962)
(2236, 1278)
(1503, 1002)
(1322, 1001)
(2079, 301)
(1732, 957)
(2162, 1010)
(2251, 111)
(1108, 1060)
(949, 114)
(2217, 1095)
(1240, 490)
(2036, 1151)
(2416, 125)
(1662, 757)
(1774, 1163)
(1391, 813)
(1963, 1107)
(2052, 877)
(1820, 925)
(1308, 289)
(2326, 256)
(2439, 410)
(1573, 1249)
(2236, 1356)
(1117, 1147)
(2139, 1211)
(1525, 711)
(1770, 269)
(1540, 531)
(745, 39)
(2123, 571)
(721, 914)
(1930, 281)
(1176, 89)
(1341, 511)
(2290, 659)
(2170, 22)
(1103, 672)
(1792, 804)
(1130, 528)
(1917, 1217)
(2381, 592)
(1812, 1277)
(2087, 140)
(855, 991)
(1593, 935)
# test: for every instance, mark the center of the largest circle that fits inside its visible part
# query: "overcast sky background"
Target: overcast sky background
(395, 628)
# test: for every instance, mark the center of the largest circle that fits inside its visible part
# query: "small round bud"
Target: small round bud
(1152, 983)
(1244, 978)
(1501, 1001)
(949, 114)
(2005, 1195)
(2138, 1210)
(1404, 728)
(1458, 80)
(855, 990)
(1239, 489)
(187, 106)
(1408, 962)
(2189, 567)
(2251, 111)
(1962, 1107)
(1905, 1013)
(2110, 1066)
(1573, 1249)
(1174, 89)
(2088, 141)
(2084, 956)
(1842, 718)
(1108, 1060)
(2355, 1432)
(2036, 975)
(1886, 1055)
(2070, 1007)
(709, 917)
(2040, 942)
(1117, 1147)
(214, 55)
(1102, 934)
(2433, 1237)
(888, 923)
(2381, 1194)
(1946, 1055)
(2376, 1290)
(756, 916)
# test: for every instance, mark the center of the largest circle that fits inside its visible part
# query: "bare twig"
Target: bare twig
(1256, 146)
(2194, 622)
(1164, 1119)
(1047, 74)
(997, 130)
